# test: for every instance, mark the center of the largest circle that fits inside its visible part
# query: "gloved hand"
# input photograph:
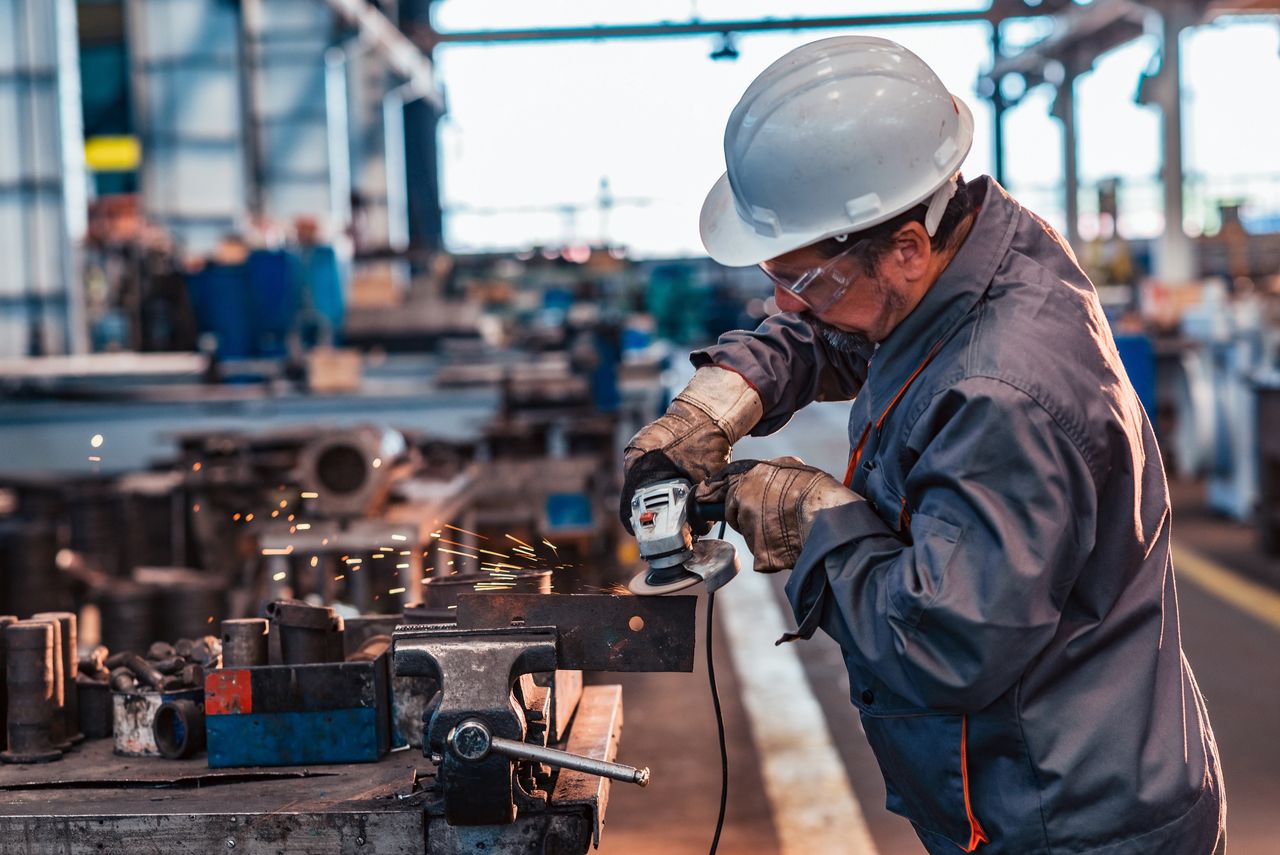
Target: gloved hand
(773, 504)
(696, 434)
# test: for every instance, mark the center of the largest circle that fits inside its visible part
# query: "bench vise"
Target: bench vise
(509, 682)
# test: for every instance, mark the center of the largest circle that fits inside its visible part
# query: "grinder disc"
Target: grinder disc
(714, 562)
(652, 583)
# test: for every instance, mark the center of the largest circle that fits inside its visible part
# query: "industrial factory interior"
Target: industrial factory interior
(644, 428)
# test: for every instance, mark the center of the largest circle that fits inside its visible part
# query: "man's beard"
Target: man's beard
(838, 339)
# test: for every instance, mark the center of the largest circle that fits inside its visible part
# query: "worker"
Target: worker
(995, 565)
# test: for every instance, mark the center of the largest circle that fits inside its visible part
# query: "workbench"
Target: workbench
(92, 801)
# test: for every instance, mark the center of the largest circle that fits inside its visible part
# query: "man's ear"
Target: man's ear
(913, 250)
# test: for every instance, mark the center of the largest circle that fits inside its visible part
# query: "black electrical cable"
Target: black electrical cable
(715, 699)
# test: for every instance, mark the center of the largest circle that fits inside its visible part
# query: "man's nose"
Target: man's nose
(787, 302)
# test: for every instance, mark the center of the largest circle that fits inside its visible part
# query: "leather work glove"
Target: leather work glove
(773, 504)
(695, 436)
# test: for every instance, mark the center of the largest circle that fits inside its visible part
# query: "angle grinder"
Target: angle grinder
(664, 516)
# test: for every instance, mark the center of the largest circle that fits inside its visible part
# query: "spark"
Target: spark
(355, 560)
(304, 526)
(491, 552)
(324, 542)
(209, 619)
(402, 566)
(195, 467)
(279, 577)
(315, 560)
(309, 495)
(398, 537)
(338, 578)
(235, 517)
(288, 550)
(518, 540)
(293, 529)
(378, 555)
(377, 463)
(456, 543)
(435, 534)
(275, 514)
(96, 442)
(248, 518)
(93, 458)
(552, 545)
(407, 552)
(283, 503)
(464, 531)
(456, 552)
(451, 607)
(289, 518)
(196, 507)
(499, 565)
(396, 591)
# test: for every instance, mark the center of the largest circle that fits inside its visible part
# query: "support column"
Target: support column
(42, 180)
(1064, 108)
(998, 107)
(1175, 259)
(297, 99)
(185, 57)
(422, 156)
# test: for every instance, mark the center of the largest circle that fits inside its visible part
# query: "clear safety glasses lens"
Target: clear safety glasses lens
(818, 283)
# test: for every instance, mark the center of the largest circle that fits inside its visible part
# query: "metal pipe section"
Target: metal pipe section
(70, 694)
(29, 658)
(244, 642)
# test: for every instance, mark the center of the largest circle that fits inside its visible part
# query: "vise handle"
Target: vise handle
(472, 741)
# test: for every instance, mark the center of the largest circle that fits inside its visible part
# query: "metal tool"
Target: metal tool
(472, 741)
(492, 726)
(664, 517)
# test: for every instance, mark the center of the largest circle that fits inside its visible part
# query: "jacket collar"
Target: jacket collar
(957, 290)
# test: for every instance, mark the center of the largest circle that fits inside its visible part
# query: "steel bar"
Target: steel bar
(565, 760)
(596, 632)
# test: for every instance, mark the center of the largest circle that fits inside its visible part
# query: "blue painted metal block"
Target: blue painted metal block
(284, 715)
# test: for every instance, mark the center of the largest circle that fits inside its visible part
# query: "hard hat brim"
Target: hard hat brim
(733, 242)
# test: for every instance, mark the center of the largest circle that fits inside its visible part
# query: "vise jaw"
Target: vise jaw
(477, 670)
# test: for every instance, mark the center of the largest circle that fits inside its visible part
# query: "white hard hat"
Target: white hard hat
(836, 136)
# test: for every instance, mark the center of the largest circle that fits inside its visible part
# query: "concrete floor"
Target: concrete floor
(670, 727)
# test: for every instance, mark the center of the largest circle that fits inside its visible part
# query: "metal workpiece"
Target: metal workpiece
(597, 632)
(58, 731)
(244, 642)
(472, 741)
(308, 634)
(29, 682)
(70, 693)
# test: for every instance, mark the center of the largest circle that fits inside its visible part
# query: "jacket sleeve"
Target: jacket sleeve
(1003, 509)
(789, 365)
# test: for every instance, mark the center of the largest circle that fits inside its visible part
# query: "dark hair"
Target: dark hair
(878, 240)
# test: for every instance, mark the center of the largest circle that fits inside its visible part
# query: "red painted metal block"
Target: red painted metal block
(228, 692)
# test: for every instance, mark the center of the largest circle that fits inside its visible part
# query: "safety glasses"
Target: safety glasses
(817, 282)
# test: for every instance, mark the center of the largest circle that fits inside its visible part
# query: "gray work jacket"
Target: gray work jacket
(1004, 597)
